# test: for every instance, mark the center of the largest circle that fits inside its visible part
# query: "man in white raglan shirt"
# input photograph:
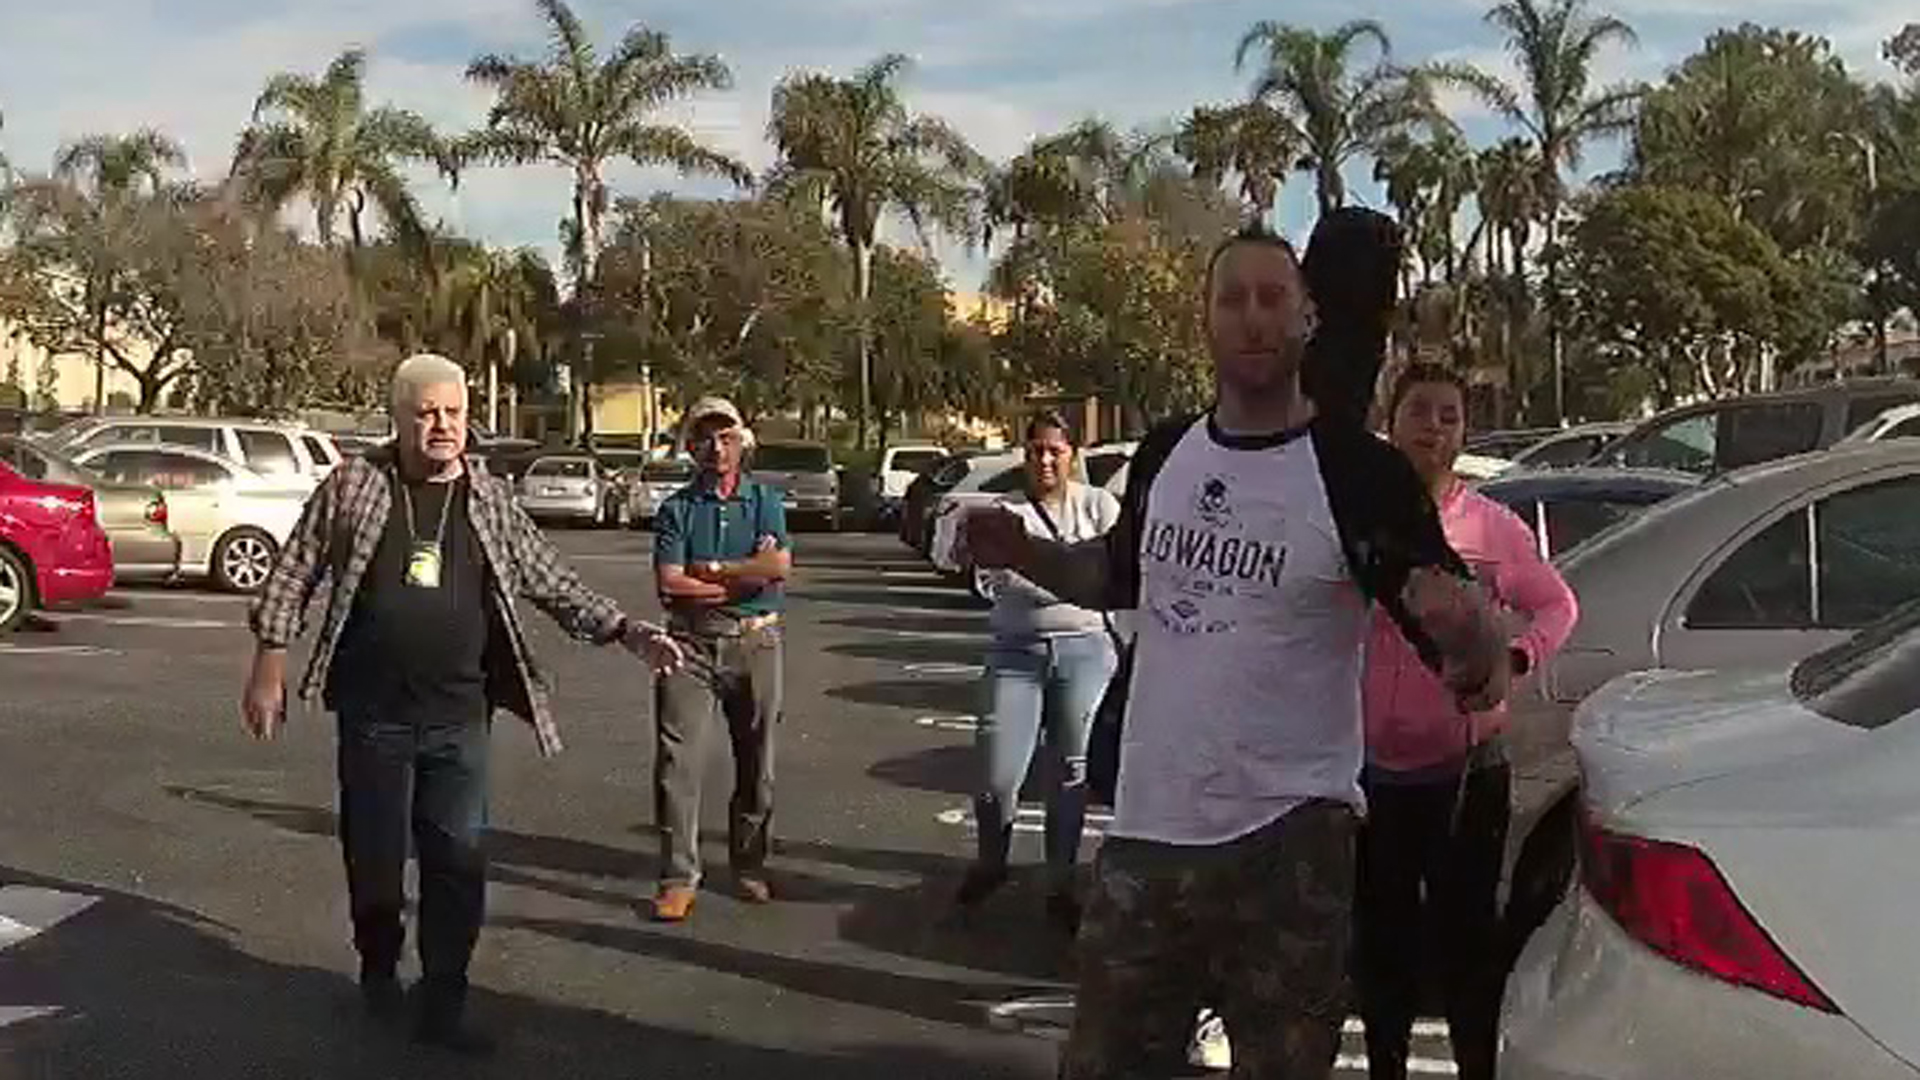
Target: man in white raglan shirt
(1253, 541)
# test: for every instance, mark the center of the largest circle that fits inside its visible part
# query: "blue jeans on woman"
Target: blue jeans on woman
(1041, 684)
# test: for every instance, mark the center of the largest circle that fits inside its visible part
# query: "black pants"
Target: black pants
(1423, 880)
(407, 779)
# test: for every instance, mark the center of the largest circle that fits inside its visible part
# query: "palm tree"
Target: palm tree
(1253, 140)
(316, 137)
(1336, 113)
(853, 145)
(116, 166)
(1555, 43)
(493, 299)
(575, 110)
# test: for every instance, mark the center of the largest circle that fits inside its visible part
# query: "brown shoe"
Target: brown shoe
(754, 888)
(673, 903)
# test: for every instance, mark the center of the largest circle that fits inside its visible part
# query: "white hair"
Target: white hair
(419, 371)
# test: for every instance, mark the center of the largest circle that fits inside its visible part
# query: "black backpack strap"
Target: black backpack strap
(1123, 540)
(1388, 523)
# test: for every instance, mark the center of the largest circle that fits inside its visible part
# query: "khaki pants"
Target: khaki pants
(731, 682)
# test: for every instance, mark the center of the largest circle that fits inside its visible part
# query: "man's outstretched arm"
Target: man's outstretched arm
(1081, 574)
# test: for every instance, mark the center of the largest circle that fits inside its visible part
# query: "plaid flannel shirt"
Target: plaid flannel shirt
(338, 533)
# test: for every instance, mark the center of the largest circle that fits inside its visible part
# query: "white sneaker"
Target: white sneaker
(1209, 1049)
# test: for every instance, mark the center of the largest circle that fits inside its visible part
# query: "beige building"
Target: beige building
(63, 382)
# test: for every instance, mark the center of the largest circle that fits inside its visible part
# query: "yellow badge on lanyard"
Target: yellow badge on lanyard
(423, 566)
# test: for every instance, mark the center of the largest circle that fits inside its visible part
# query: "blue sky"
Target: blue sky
(1001, 70)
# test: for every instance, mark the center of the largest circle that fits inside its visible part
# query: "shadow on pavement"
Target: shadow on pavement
(155, 992)
(930, 695)
(910, 651)
(913, 920)
(946, 1001)
(921, 599)
(948, 770)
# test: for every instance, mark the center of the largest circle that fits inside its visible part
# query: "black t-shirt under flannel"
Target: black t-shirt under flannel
(414, 653)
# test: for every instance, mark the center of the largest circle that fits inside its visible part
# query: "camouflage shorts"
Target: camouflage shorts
(1257, 929)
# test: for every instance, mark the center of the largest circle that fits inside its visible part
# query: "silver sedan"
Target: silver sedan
(1763, 566)
(1744, 911)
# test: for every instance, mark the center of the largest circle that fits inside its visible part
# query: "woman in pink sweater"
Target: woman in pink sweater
(1437, 779)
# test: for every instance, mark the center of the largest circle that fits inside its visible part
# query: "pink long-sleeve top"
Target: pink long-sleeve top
(1413, 720)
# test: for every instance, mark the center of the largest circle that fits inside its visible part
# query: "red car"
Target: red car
(52, 549)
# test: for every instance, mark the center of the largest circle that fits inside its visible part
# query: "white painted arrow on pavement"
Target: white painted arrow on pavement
(26, 911)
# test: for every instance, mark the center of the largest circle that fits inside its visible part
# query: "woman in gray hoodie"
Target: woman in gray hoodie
(1046, 670)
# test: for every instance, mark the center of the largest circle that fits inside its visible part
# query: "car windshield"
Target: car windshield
(621, 459)
(915, 461)
(572, 468)
(1871, 679)
(664, 471)
(780, 457)
(40, 463)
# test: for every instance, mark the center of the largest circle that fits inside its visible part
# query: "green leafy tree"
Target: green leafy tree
(1671, 283)
(316, 138)
(1767, 120)
(853, 146)
(1338, 112)
(275, 324)
(96, 248)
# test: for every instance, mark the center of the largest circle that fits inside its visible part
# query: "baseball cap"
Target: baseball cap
(709, 407)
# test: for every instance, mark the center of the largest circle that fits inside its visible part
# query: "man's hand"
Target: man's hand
(263, 704)
(655, 646)
(1455, 613)
(995, 538)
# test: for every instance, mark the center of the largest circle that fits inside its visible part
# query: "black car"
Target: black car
(1567, 507)
(1716, 436)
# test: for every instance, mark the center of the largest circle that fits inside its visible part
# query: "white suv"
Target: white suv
(285, 452)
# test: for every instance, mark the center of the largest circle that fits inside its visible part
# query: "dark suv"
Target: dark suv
(1715, 436)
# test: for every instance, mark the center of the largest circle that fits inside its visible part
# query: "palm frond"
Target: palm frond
(648, 144)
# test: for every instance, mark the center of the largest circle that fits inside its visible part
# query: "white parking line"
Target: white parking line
(934, 635)
(955, 722)
(1051, 1015)
(141, 596)
(944, 669)
(150, 620)
(8, 648)
(27, 910)
(1028, 819)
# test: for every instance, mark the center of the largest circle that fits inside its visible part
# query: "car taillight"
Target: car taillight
(1674, 900)
(157, 511)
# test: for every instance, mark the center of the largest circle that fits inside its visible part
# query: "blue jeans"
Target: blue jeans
(422, 783)
(1050, 684)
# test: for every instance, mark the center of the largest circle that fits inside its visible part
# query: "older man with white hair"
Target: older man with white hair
(426, 555)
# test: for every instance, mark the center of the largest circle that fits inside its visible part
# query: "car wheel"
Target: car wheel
(16, 590)
(243, 560)
(1541, 874)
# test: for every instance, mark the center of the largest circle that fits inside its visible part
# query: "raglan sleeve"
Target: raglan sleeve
(1390, 527)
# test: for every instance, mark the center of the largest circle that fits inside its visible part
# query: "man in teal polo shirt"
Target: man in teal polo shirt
(721, 555)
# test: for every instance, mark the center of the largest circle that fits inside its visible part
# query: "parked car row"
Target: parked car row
(167, 498)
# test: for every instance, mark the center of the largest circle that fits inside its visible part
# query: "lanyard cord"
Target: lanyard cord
(440, 530)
